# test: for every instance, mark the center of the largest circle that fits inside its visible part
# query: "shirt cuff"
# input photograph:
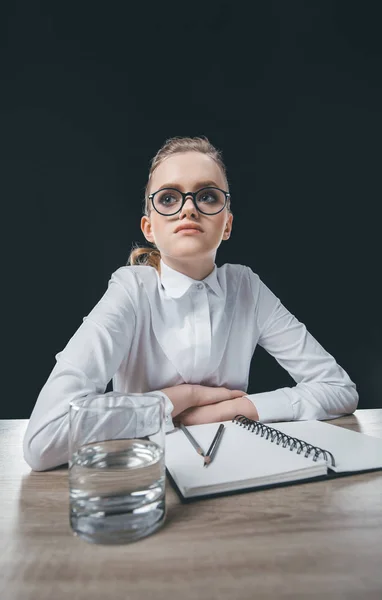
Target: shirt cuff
(168, 408)
(272, 406)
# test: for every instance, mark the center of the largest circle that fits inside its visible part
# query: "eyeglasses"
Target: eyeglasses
(208, 200)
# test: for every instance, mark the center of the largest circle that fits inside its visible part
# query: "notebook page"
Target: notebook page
(241, 456)
(353, 451)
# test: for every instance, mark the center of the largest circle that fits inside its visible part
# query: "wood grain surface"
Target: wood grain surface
(312, 540)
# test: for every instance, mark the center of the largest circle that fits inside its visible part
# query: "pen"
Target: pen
(214, 445)
(192, 439)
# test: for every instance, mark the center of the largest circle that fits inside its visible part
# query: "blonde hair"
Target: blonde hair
(151, 256)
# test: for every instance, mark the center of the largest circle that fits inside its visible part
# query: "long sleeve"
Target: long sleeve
(323, 391)
(85, 366)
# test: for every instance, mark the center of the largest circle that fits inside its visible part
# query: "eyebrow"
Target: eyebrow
(199, 185)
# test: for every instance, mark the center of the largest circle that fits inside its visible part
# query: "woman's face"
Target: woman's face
(188, 172)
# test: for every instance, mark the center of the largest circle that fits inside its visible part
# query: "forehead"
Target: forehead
(186, 170)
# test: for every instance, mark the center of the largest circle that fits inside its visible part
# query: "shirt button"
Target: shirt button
(200, 286)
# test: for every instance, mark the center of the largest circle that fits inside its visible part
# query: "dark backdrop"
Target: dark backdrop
(290, 92)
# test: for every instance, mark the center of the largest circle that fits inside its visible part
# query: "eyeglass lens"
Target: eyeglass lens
(168, 201)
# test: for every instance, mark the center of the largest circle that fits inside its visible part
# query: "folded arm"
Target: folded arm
(85, 366)
(323, 391)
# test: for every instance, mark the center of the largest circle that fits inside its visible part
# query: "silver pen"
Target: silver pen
(192, 439)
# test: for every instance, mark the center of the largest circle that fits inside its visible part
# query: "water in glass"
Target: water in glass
(117, 490)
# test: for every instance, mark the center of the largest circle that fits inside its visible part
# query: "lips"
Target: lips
(189, 232)
(187, 228)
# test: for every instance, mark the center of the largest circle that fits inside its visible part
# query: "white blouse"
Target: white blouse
(150, 331)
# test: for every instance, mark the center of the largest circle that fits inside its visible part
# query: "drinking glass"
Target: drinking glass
(117, 466)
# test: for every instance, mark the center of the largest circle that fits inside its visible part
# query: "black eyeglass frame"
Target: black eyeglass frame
(184, 197)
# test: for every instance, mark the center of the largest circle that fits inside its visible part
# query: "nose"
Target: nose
(188, 208)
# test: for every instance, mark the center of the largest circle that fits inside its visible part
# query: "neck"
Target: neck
(196, 269)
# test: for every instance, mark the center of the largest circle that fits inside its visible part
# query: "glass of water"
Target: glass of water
(116, 466)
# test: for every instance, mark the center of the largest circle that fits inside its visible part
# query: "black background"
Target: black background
(290, 91)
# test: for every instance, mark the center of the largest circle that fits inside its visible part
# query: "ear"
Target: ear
(146, 229)
(228, 227)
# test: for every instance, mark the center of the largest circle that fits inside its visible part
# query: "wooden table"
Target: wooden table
(313, 540)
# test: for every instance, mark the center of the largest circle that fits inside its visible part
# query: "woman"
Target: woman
(172, 322)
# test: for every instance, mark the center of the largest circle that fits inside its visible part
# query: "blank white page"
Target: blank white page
(353, 451)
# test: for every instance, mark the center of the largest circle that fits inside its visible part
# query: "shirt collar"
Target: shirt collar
(176, 284)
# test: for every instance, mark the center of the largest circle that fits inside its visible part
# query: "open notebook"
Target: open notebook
(252, 455)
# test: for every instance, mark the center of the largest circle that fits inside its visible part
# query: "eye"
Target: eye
(167, 198)
(208, 196)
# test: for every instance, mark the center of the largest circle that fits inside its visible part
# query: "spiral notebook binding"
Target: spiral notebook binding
(282, 438)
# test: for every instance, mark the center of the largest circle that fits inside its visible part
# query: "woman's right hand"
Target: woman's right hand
(187, 395)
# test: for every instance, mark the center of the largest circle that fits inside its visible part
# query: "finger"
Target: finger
(202, 414)
(212, 395)
(238, 393)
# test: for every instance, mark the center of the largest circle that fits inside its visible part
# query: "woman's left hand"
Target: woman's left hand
(220, 411)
